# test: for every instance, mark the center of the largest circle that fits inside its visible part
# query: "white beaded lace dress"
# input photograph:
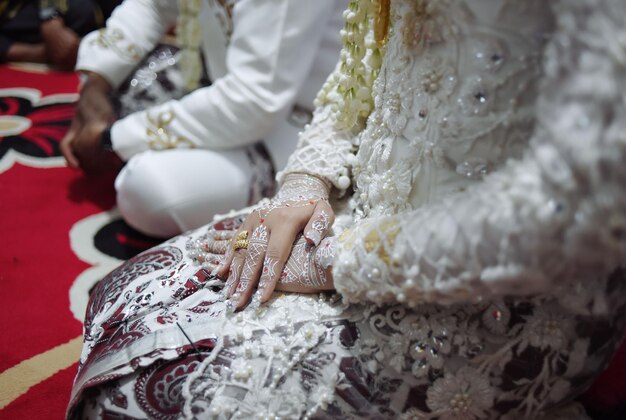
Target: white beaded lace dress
(476, 248)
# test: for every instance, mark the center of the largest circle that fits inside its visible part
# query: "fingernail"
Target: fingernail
(228, 288)
(313, 236)
(262, 285)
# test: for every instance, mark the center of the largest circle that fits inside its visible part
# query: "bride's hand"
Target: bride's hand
(263, 244)
(309, 267)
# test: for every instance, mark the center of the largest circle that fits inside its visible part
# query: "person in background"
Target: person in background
(195, 151)
(48, 31)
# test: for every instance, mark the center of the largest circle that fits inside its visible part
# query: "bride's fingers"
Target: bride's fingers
(216, 247)
(308, 269)
(233, 261)
(242, 235)
(251, 266)
(321, 220)
(278, 250)
(223, 272)
(322, 260)
(234, 273)
(210, 261)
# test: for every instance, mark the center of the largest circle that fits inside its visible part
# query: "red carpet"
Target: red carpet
(58, 236)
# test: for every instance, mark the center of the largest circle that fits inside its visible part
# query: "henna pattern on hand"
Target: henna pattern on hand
(318, 228)
(307, 264)
(268, 272)
(299, 190)
(256, 251)
(233, 275)
(216, 247)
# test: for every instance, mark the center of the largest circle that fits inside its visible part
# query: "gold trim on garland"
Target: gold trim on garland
(188, 39)
(381, 22)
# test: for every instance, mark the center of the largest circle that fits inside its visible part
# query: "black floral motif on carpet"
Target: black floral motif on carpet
(31, 127)
(121, 241)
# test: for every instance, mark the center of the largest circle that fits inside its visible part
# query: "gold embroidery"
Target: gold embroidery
(112, 38)
(421, 28)
(379, 239)
(373, 242)
(159, 136)
(347, 238)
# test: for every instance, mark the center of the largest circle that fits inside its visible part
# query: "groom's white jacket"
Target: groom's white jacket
(263, 57)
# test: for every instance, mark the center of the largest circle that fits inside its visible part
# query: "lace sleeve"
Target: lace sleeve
(323, 150)
(557, 215)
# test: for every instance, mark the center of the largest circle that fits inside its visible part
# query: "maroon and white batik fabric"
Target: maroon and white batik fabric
(311, 356)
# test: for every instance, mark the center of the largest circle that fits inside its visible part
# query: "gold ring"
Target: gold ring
(241, 241)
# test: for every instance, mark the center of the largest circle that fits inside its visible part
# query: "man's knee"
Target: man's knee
(168, 192)
(142, 197)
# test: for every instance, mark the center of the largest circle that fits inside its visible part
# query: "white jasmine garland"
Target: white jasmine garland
(350, 90)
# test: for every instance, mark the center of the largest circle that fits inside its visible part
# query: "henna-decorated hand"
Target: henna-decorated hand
(282, 240)
(308, 269)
